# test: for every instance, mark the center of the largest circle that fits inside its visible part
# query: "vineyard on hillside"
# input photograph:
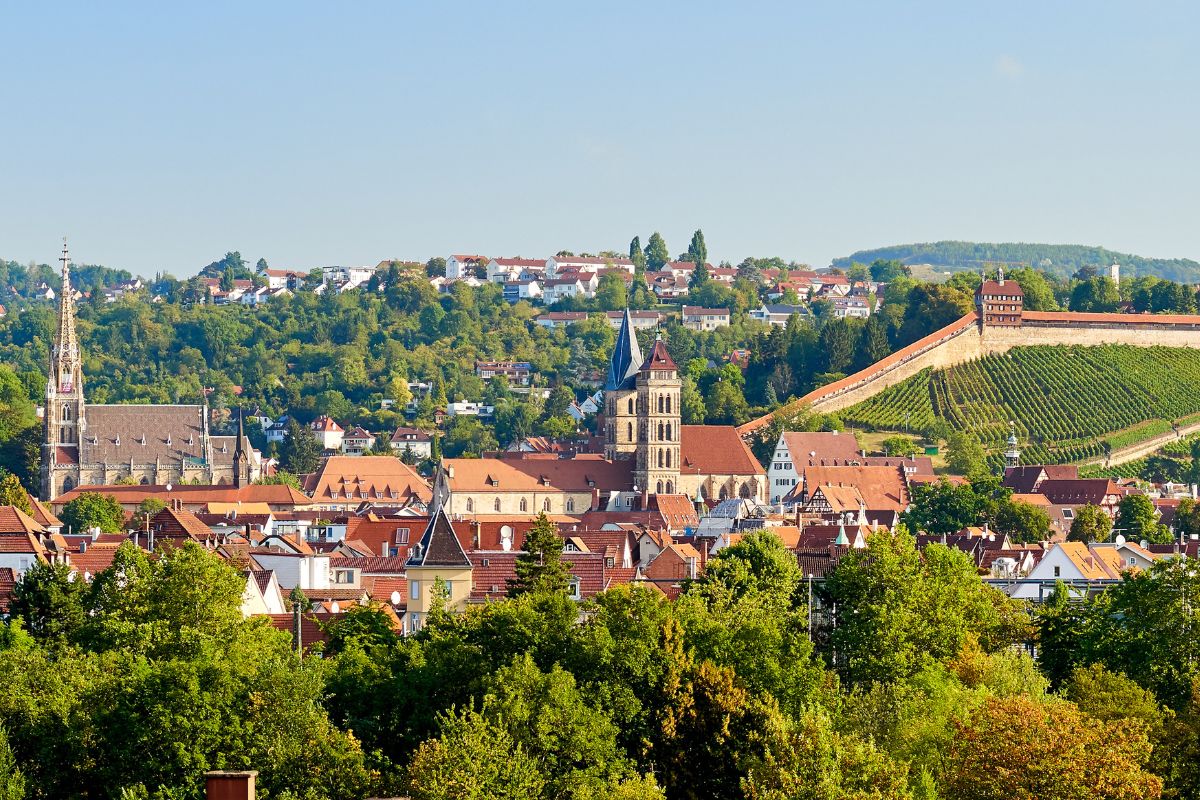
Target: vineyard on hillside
(1068, 403)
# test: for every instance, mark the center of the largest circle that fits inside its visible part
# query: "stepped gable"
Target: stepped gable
(439, 546)
(626, 357)
(715, 450)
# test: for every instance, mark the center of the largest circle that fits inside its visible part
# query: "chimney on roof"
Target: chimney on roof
(229, 785)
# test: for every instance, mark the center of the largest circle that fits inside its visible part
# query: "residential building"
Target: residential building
(795, 449)
(415, 441)
(522, 289)
(556, 264)
(851, 308)
(503, 270)
(779, 314)
(517, 373)
(329, 434)
(357, 441)
(560, 319)
(459, 267)
(641, 320)
(698, 318)
(345, 482)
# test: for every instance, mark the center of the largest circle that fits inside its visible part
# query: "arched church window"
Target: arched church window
(744, 492)
(660, 431)
(670, 488)
(496, 504)
(631, 405)
(470, 505)
(668, 460)
(631, 431)
(660, 459)
(66, 415)
(668, 404)
(524, 504)
(68, 483)
(660, 488)
(660, 404)
(546, 505)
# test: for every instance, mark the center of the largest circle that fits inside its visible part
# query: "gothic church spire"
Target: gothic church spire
(65, 372)
(626, 357)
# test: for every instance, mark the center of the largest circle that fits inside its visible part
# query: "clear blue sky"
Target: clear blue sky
(158, 136)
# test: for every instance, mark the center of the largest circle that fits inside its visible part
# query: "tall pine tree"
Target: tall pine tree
(637, 256)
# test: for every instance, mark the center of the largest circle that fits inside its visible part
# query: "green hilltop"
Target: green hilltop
(1061, 260)
(1069, 404)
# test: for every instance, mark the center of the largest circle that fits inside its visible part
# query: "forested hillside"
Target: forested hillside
(1068, 403)
(1060, 260)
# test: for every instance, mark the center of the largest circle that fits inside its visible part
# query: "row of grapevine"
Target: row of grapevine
(1068, 403)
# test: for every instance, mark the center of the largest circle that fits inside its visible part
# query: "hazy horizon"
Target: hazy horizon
(158, 138)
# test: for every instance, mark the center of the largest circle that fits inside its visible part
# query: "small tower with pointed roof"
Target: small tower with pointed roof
(438, 556)
(658, 390)
(1012, 456)
(620, 395)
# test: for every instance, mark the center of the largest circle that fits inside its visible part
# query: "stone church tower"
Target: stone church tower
(658, 389)
(65, 422)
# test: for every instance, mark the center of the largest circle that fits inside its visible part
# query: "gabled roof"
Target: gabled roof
(346, 478)
(805, 445)
(626, 357)
(439, 546)
(1008, 288)
(659, 358)
(14, 520)
(715, 450)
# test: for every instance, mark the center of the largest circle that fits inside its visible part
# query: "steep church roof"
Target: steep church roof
(626, 357)
(439, 546)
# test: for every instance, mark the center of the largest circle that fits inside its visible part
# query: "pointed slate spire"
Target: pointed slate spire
(439, 546)
(241, 462)
(626, 357)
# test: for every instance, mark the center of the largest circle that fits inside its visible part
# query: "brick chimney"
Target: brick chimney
(229, 785)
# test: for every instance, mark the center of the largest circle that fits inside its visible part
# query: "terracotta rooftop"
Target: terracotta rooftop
(14, 520)
(715, 450)
(583, 473)
(366, 478)
(805, 445)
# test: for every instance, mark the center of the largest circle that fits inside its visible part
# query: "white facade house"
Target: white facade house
(556, 264)
(775, 314)
(851, 307)
(306, 570)
(346, 277)
(460, 266)
(696, 318)
(469, 410)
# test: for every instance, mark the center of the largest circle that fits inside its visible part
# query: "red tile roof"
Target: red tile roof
(14, 520)
(346, 478)
(659, 358)
(715, 450)
(805, 446)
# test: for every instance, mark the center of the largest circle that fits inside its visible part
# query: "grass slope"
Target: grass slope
(1068, 403)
